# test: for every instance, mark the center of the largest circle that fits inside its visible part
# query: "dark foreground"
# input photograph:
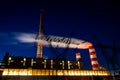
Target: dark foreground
(58, 78)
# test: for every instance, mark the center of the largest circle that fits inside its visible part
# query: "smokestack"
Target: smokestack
(41, 22)
(39, 44)
(78, 56)
(79, 62)
(93, 58)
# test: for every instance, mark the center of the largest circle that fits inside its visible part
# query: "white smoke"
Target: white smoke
(54, 41)
(26, 37)
(63, 42)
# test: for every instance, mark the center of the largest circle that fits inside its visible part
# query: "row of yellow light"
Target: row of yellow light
(45, 63)
(38, 72)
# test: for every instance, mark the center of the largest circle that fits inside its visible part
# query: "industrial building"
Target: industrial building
(23, 68)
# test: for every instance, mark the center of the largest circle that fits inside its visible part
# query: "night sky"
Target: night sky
(93, 21)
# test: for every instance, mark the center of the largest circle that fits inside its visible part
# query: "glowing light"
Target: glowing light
(10, 58)
(24, 59)
(51, 64)
(36, 72)
(62, 64)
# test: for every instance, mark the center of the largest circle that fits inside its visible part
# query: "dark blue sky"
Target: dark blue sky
(84, 19)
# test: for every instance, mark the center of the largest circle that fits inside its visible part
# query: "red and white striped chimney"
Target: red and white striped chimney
(78, 56)
(93, 58)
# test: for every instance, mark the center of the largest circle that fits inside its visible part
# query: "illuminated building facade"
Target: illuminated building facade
(23, 68)
(48, 69)
(39, 63)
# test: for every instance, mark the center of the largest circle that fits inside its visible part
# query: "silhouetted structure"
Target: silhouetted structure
(39, 63)
(23, 68)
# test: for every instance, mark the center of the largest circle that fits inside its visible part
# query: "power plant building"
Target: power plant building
(24, 68)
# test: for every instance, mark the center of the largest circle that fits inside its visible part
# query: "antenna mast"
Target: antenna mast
(39, 44)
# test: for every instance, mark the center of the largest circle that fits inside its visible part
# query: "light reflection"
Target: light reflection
(36, 72)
